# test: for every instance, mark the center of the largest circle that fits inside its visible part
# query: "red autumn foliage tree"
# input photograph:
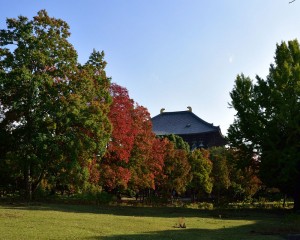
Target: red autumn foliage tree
(133, 153)
(142, 160)
(157, 161)
(114, 166)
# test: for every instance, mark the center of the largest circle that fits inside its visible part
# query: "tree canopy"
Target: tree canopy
(53, 110)
(64, 128)
(268, 119)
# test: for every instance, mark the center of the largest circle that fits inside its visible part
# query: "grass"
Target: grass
(59, 221)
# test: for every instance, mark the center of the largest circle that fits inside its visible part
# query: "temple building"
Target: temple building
(195, 131)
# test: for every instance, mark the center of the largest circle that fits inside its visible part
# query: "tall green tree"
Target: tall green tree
(201, 168)
(53, 110)
(267, 121)
(220, 171)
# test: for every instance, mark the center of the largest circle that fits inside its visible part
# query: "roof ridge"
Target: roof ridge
(187, 112)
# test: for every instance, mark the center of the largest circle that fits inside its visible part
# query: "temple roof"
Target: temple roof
(181, 123)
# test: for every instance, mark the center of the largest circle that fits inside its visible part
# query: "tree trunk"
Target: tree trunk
(35, 184)
(297, 199)
(28, 184)
(193, 197)
(284, 201)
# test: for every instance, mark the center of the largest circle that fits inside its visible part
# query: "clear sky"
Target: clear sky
(175, 53)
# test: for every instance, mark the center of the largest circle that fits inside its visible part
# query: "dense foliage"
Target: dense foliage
(53, 110)
(201, 169)
(266, 127)
(66, 129)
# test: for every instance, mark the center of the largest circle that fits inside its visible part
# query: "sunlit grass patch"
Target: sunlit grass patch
(47, 221)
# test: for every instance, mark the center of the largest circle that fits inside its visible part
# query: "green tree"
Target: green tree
(53, 110)
(201, 168)
(220, 172)
(176, 170)
(244, 181)
(178, 142)
(268, 119)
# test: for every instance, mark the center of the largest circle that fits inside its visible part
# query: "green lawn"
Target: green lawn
(54, 221)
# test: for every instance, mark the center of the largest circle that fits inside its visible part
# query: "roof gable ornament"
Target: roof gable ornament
(189, 108)
(162, 110)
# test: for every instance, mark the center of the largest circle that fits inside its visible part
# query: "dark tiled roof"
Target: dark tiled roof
(180, 123)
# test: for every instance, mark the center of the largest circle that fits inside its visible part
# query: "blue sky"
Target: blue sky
(175, 53)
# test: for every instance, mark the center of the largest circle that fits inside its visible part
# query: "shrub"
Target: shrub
(200, 205)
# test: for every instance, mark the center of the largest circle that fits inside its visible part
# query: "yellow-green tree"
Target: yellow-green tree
(201, 168)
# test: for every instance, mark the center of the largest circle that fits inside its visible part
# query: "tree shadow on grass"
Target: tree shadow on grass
(235, 233)
(145, 211)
